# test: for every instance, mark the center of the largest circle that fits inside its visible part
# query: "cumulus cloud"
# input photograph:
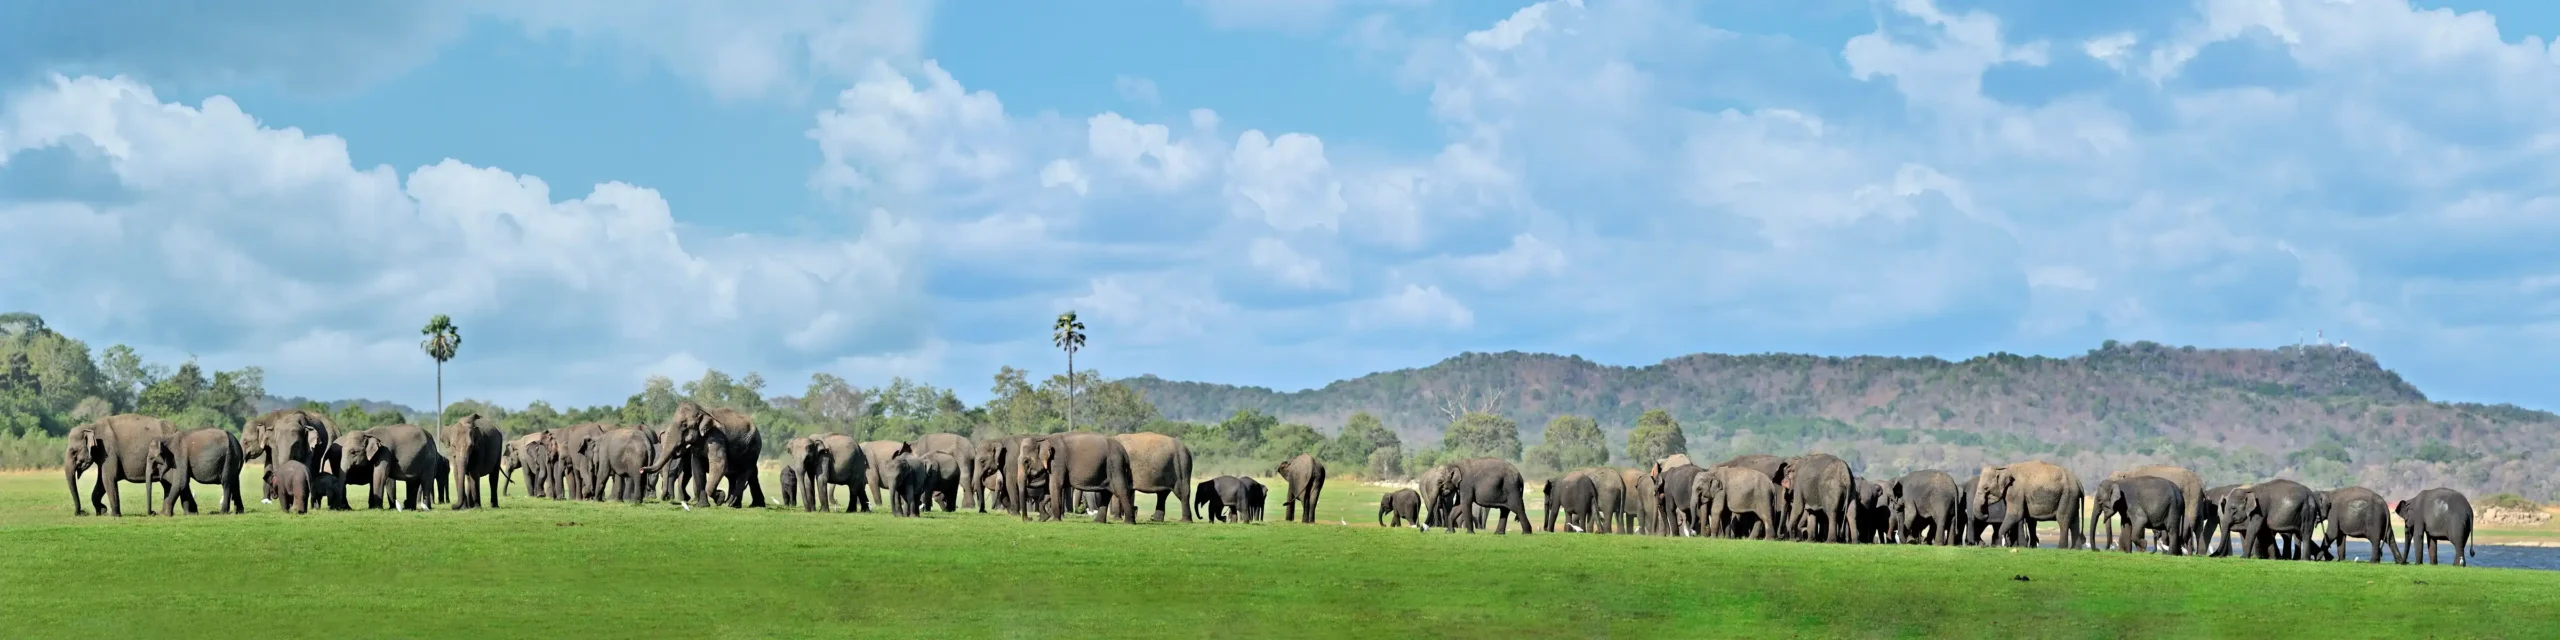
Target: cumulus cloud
(1626, 180)
(260, 245)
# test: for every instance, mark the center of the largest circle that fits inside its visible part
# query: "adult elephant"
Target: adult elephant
(1305, 476)
(2030, 492)
(1493, 485)
(120, 448)
(1675, 499)
(579, 476)
(1927, 506)
(352, 470)
(1822, 493)
(287, 434)
(826, 461)
(2437, 514)
(2143, 504)
(622, 458)
(1873, 513)
(1670, 462)
(2190, 489)
(676, 478)
(1635, 501)
(1574, 495)
(1439, 488)
(917, 477)
(1609, 497)
(1724, 495)
(883, 476)
(531, 453)
(2216, 538)
(210, 456)
(2360, 513)
(998, 459)
(717, 444)
(475, 449)
(1766, 464)
(966, 453)
(2273, 518)
(1161, 465)
(1082, 461)
(402, 453)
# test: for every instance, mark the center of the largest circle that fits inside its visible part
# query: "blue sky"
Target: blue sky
(1269, 192)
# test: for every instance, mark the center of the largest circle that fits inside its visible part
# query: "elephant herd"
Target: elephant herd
(1819, 498)
(706, 456)
(703, 456)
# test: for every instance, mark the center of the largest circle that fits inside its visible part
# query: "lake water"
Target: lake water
(2483, 555)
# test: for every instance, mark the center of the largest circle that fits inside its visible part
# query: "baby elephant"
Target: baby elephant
(1406, 504)
(292, 482)
(918, 478)
(330, 490)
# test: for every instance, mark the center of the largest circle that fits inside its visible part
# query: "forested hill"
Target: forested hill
(2324, 414)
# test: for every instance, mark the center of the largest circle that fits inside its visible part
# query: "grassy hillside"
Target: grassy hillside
(545, 569)
(2329, 416)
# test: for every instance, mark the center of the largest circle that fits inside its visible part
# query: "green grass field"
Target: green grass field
(539, 568)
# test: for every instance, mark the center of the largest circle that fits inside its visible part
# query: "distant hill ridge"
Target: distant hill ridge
(2311, 410)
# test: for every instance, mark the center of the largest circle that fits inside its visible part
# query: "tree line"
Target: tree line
(50, 382)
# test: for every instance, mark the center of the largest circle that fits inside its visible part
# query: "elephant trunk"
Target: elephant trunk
(71, 479)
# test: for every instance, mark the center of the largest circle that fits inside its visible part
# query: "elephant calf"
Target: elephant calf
(790, 481)
(330, 490)
(1406, 504)
(292, 480)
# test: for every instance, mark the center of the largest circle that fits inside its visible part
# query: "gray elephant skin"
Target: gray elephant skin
(826, 461)
(1822, 498)
(2437, 514)
(2030, 492)
(962, 450)
(2142, 504)
(1305, 475)
(1161, 465)
(2272, 518)
(475, 450)
(400, 453)
(209, 456)
(288, 434)
(1492, 485)
(918, 477)
(1723, 496)
(1927, 507)
(719, 446)
(1082, 461)
(2360, 513)
(1573, 495)
(293, 486)
(120, 448)
(1405, 505)
(1675, 498)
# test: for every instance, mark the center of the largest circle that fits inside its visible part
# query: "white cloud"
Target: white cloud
(264, 245)
(1286, 265)
(1418, 306)
(1147, 152)
(741, 50)
(1527, 256)
(1136, 89)
(1285, 181)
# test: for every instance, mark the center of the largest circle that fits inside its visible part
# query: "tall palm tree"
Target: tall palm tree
(442, 340)
(1068, 333)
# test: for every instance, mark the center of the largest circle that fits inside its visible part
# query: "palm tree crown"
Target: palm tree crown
(443, 339)
(1068, 334)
